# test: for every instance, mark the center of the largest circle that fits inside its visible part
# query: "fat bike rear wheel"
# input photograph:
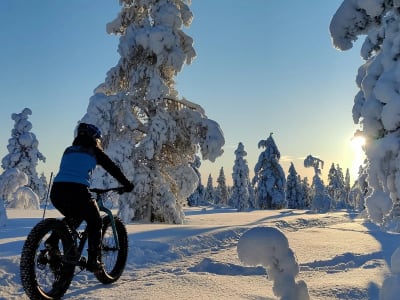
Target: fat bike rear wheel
(47, 274)
(113, 258)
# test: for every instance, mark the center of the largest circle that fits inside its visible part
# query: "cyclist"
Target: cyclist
(70, 191)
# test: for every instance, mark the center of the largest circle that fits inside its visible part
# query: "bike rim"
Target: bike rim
(49, 268)
(109, 250)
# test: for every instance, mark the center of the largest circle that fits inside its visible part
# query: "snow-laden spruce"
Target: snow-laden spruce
(240, 197)
(320, 202)
(221, 191)
(23, 152)
(269, 178)
(338, 188)
(294, 191)
(148, 130)
(377, 105)
(209, 193)
(269, 247)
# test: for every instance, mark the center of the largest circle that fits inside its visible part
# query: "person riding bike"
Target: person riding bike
(70, 191)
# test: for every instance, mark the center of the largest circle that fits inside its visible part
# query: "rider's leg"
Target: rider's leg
(94, 223)
(66, 198)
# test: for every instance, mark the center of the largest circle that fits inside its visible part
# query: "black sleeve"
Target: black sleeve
(108, 165)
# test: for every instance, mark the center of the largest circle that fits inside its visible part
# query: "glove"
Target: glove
(128, 187)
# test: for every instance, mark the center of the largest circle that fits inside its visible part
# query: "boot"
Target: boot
(94, 263)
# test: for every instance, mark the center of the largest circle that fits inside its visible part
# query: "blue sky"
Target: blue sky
(262, 66)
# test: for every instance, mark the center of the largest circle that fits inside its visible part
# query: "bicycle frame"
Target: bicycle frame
(102, 208)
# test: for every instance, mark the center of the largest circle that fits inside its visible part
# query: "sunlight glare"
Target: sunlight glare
(357, 144)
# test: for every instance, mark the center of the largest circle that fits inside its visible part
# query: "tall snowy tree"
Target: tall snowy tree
(209, 193)
(269, 177)
(150, 132)
(240, 197)
(377, 104)
(221, 191)
(23, 153)
(321, 201)
(294, 197)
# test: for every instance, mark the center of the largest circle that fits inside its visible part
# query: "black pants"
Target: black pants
(75, 202)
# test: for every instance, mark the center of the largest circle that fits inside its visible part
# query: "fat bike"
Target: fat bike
(46, 273)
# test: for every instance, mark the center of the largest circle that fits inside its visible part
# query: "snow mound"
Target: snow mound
(269, 247)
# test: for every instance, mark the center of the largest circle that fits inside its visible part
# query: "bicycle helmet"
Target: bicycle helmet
(89, 130)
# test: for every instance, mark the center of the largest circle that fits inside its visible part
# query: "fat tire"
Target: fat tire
(111, 274)
(29, 259)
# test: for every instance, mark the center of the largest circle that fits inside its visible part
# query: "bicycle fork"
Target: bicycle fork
(110, 215)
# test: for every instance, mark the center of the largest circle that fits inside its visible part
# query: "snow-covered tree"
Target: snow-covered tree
(148, 130)
(321, 202)
(294, 197)
(359, 190)
(377, 104)
(347, 187)
(305, 192)
(23, 152)
(209, 193)
(43, 187)
(14, 191)
(269, 177)
(197, 198)
(252, 196)
(240, 197)
(336, 187)
(221, 191)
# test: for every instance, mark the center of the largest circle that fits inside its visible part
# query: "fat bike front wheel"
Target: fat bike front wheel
(113, 258)
(46, 274)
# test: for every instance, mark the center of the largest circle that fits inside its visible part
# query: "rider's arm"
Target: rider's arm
(108, 165)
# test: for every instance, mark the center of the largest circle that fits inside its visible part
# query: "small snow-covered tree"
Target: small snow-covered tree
(3, 214)
(269, 177)
(336, 187)
(305, 192)
(321, 201)
(15, 192)
(294, 197)
(209, 194)
(43, 187)
(377, 104)
(347, 187)
(23, 152)
(359, 190)
(221, 191)
(240, 197)
(197, 198)
(252, 196)
(148, 130)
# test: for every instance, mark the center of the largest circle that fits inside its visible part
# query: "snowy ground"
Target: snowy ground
(340, 257)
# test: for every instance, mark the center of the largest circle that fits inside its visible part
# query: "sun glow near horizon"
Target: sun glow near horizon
(357, 144)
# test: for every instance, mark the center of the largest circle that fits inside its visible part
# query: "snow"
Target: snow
(338, 256)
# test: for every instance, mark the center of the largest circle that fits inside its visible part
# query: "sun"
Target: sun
(357, 143)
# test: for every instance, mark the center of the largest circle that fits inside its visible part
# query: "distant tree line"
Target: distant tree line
(271, 189)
